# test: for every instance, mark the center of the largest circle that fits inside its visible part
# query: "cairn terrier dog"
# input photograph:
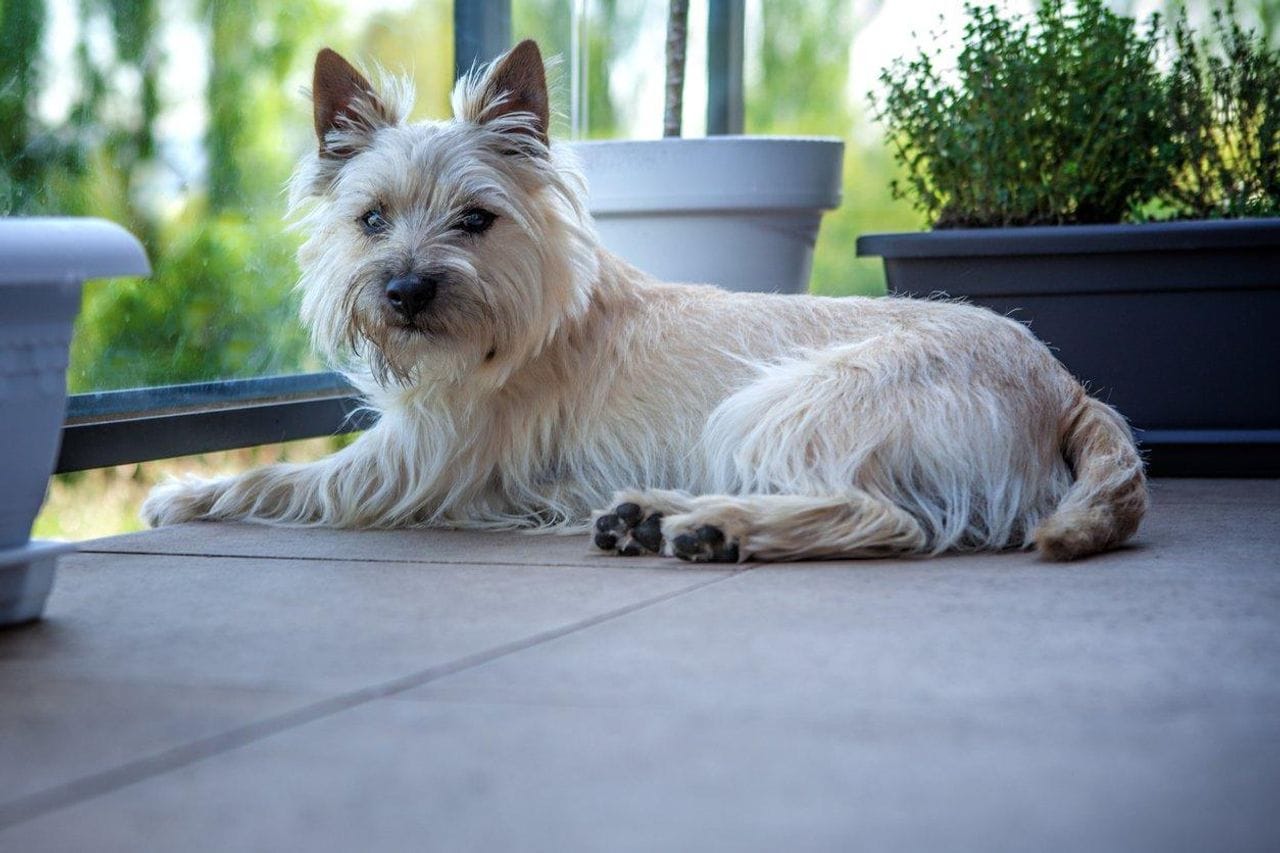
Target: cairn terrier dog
(527, 378)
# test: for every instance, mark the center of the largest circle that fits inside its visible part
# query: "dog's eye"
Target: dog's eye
(475, 221)
(374, 222)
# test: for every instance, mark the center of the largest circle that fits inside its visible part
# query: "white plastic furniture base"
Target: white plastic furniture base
(26, 577)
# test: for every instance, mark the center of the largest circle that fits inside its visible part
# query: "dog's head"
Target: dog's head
(440, 251)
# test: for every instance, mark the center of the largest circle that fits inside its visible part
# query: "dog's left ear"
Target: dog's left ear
(347, 109)
(513, 94)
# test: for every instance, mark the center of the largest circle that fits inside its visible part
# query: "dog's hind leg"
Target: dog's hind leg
(731, 528)
(734, 528)
(897, 444)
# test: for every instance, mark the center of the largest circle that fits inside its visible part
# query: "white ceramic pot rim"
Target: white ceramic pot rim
(719, 173)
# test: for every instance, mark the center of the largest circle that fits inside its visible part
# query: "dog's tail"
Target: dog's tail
(1109, 497)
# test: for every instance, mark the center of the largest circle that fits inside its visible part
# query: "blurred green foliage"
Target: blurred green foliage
(215, 307)
(801, 89)
(1225, 116)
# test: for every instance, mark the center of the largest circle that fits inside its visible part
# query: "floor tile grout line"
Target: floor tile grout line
(43, 802)
(588, 560)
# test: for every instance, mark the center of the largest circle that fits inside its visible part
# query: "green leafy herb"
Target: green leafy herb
(1069, 118)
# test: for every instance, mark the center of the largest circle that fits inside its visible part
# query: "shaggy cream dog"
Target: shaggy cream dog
(525, 377)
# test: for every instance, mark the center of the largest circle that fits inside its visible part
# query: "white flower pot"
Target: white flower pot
(738, 211)
(43, 263)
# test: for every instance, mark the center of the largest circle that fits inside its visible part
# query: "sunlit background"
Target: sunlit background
(181, 120)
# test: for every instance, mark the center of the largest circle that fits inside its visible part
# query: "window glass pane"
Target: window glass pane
(612, 65)
(803, 75)
(182, 119)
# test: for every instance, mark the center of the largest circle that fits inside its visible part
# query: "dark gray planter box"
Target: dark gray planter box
(1175, 324)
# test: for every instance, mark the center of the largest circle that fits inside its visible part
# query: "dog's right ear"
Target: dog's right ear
(347, 109)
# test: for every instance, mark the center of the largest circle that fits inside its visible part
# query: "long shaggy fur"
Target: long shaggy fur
(550, 380)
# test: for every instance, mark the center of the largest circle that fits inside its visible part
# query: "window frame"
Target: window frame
(107, 428)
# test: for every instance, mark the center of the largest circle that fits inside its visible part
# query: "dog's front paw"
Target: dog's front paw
(628, 531)
(177, 501)
(705, 543)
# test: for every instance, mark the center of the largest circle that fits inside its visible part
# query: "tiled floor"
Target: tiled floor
(227, 687)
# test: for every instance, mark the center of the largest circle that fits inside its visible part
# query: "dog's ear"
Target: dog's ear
(513, 94)
(347, 109)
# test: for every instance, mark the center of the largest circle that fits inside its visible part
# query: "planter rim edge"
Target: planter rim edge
(39, 249)
(712, 174)
(741, 139)
(1186, 235)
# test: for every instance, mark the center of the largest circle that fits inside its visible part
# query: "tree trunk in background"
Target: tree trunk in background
(677, 39)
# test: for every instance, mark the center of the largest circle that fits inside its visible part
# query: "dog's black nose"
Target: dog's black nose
(410, 294)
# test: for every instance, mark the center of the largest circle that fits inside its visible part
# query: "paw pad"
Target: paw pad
(705, 545)
(627, 532)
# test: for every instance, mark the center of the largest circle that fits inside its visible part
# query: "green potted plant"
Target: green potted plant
(1043, 164)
